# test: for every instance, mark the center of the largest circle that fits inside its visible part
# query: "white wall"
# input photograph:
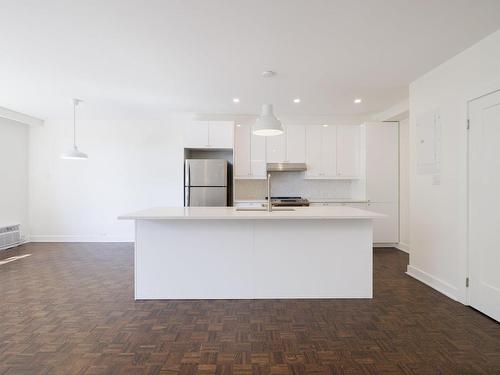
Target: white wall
(404, 188)
(14, 174)
(438, 216)
(134, 163)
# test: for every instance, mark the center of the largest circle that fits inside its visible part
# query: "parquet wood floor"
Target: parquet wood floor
(69, 309)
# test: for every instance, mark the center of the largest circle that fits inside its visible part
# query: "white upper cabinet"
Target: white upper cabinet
(196, 134)
(249, 153)
(276, 148)
(333, 152)
(258, 155)
(220, 134)
(328, 151)
(209, 134)
(348, 151)
(295, 144)
(290, 147)
(242, 152)
(382, 162)
(313, 152)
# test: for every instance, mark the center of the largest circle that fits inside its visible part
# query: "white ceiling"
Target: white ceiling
(186, 55)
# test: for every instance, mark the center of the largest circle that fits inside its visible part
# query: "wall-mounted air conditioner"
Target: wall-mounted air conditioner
(10, 236)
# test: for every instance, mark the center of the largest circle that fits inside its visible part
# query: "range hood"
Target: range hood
(286, 167)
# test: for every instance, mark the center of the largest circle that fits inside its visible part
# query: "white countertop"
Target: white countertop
(230, 213)
(311, 200)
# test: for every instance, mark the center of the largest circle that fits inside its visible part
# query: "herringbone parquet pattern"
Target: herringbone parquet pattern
(69, 309)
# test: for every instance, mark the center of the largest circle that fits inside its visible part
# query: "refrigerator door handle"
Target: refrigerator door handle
(188, 197)
(188, 174)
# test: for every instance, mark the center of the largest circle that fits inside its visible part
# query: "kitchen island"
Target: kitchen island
(223, 253)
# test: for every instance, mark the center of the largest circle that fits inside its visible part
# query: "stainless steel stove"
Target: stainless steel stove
(289, 202)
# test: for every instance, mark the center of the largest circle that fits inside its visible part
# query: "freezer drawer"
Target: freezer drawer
(205, 196)
(206, 172)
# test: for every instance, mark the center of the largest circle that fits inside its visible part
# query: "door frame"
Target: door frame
(467, 209)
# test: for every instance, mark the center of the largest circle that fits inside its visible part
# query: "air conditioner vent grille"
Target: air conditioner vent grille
(10, 236)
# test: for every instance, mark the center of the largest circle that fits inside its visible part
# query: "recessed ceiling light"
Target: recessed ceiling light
(236, 100)
(296, 100)
(325, 126)
(268, 73)
(357, 101)
(238, 125)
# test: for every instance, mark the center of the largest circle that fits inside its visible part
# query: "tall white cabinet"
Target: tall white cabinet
(382, 179)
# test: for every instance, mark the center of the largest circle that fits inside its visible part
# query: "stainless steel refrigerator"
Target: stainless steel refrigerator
(205, 182)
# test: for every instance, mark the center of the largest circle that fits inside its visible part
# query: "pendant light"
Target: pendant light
(74, 153)
(267, 124)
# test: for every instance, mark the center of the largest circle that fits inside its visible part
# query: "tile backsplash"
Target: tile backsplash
(293, 184)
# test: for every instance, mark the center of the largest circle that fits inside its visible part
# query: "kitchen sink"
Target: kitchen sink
(264, 209)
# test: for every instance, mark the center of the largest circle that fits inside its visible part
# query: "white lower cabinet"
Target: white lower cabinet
(324, 204)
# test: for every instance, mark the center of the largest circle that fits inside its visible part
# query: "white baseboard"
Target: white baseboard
(403, 247)
(385, 245)
(72, 238)
(434, 282)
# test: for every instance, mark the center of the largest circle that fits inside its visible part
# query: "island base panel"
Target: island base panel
(251, 259)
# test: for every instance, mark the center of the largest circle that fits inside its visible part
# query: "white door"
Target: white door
(220, 134)
(313, 151)
(242, 151)
(295, 144)
(484, 205)
(348, 151)
(258, 155)
(329, 151)
(276, 148)
(196, 134)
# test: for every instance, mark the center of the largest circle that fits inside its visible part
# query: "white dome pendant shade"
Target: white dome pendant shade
(74, 153)
(267, 124)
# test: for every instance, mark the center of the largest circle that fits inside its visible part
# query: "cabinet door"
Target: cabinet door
(220, 134)
(385, 229)
(328, 151)
(276, 148)
(313, 151)
(258, 155)
(296, 144)
(196, 134)
(382, 162)
(348, 151)
(242, 151)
